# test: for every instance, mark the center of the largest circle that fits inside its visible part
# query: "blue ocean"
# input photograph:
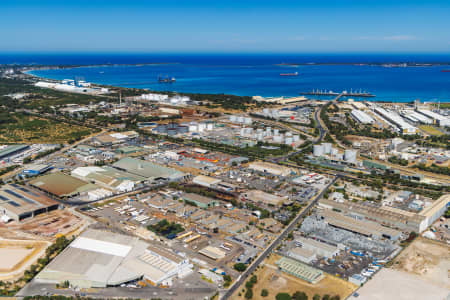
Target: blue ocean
(257, 74)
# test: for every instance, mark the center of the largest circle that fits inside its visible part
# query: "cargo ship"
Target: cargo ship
(289, 74)
(166, 79)
(445, 71)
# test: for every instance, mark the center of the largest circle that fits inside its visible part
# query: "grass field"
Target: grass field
(20, 128)
(276, 281)
(431, 130)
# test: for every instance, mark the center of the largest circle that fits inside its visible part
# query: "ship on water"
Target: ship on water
(289, 74)
(166, 79)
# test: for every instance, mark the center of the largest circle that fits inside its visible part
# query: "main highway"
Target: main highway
(252, 267)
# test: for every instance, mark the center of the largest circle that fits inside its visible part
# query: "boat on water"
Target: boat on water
(445, 71)
(289, 74)
(166, 79)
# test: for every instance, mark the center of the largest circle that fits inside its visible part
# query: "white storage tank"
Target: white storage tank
(327, 148)
(350, 156)
(334, 151)
(318, 150)
(278, 139)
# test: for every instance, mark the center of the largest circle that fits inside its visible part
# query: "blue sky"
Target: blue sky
(225, 26)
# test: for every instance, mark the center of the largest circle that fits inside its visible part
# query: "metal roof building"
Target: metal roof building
(147, 169)
(9, 150)
(62, 185)
(362, 117)
(20, 202)
(99, 259)
(300, 270)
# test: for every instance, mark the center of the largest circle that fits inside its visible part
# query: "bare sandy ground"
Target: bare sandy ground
(391, 284)
(9, 257)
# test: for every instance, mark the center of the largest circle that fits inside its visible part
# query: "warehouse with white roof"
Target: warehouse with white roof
(100, 259)
(362, 117)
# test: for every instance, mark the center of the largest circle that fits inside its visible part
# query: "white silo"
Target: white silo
(334, 151)
(318, 150)
(350, 156)
(278, 139)
(327, 148)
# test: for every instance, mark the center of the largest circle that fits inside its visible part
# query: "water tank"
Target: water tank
(350, 156)
(278, 139)
(334, 151)
(318, 150)
(327, 148)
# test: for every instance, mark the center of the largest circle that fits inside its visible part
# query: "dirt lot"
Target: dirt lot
(275, 281)
(44, 226)
(428, 259)
(17, 255)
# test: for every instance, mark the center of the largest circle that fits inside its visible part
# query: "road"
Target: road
(252, 267)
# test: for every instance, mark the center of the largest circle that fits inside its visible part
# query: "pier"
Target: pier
(342, 94)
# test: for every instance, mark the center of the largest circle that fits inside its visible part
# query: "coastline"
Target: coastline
(378, 99)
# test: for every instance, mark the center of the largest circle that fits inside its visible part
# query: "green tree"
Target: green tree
(283, 296)
(241, 267)
(249, 294)
(299, 296)
(264, 293)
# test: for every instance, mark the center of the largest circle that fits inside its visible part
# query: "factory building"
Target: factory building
(206, 181)
(350, 156)
(200, 201)
(438, 119)
(384, 215)
(20, 202)
(302, 254)
(300, 270)
(34, 170)
(114, 138)
(108, 177)
(62, 185)
(99, 258)
(362, 117)
(404, 127)
(319, 248)
(148, 170)
(270, 168)
(436, 209)
(365, 228)
(10, 150)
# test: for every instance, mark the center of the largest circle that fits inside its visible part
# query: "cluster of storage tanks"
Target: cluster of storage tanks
(165, 98)
(261, 134)
(241, 120)
(327, 149)
(200, 127)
